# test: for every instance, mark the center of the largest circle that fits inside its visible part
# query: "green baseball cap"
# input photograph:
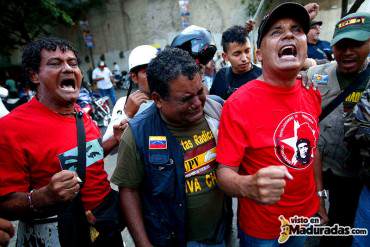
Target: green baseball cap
(354, 26)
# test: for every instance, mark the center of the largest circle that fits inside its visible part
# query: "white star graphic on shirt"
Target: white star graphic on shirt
(293, 140)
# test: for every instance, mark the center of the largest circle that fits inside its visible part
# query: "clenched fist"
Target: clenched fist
(6, 232)
(63, 186)
(266, 185)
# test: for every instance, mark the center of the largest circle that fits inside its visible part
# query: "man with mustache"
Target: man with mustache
(166, 168)
(351, 48)
(260, 126)
(38, 147)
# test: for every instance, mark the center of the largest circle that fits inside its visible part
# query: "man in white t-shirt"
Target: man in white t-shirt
(104, 77)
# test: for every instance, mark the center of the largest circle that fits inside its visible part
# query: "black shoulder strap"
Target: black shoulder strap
(129, 89)
(228, 77)
(364, 75)
(81, 148)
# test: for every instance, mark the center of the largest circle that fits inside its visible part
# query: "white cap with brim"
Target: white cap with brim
(141, 55)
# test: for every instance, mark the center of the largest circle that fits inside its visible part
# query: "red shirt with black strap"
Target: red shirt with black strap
(35, 143)
(264, 125)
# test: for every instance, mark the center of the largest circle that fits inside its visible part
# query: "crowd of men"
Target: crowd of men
(277, 143)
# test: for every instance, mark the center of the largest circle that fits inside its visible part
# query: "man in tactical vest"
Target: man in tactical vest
(351, 47)
(166, 168)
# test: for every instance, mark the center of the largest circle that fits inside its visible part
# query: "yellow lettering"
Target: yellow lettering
(208, 180)
(190, 144)
(186, 145)
(354, 97)
(183, 144)
(186, 166)
(197, 186)
(191, 164)
(349, 98)
(190, 185)
(357, 97)
(197, 142)
(203, 138)
(211, 180)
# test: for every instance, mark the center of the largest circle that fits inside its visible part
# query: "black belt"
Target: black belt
(47, 220)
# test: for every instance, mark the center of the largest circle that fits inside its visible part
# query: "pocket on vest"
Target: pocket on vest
(162, 172)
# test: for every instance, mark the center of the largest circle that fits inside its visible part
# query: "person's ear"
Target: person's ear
(225, 56)
(134, 77)
(259, 55)
(34, 77)
(157, 100)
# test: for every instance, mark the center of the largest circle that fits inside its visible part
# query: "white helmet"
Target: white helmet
(141, 55)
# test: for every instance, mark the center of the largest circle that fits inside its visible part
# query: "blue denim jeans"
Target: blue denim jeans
(248, 241)
(362, 219)
(110, 93)
(198, 244)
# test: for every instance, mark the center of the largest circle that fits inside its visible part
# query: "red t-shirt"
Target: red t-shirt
(263, 125)
(35, 143)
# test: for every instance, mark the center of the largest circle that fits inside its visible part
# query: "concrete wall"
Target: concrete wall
(120, 25)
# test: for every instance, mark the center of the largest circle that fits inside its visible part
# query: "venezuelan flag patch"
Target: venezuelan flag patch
(320, 79)
(157, 142)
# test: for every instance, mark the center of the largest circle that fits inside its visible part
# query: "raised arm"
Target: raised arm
(114, 140)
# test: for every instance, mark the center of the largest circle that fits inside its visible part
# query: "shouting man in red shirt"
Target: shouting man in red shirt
(263, 126)
(39, 152)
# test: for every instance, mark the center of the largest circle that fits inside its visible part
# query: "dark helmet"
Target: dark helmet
(198, 42)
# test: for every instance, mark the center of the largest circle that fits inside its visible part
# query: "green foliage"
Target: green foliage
(56, 12)
(251, 6)
(21, 21)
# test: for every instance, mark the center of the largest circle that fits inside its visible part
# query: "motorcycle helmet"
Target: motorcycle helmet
(141, 55)
(198, 42)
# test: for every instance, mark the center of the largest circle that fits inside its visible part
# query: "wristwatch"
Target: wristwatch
(323, 194)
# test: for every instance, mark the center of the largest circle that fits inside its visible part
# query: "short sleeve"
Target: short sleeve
(94, 76)
(232, 136)
(14, 175)
(218, 87)
(129, 171)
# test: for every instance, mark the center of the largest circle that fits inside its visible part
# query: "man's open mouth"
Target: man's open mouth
(288, 50)
(348, 61)
(68, 84)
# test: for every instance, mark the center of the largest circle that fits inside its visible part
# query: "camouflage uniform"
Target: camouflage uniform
(334, 149)
(357, 133)
(341, 170)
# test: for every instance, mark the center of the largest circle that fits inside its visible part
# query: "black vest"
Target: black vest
(162, 193)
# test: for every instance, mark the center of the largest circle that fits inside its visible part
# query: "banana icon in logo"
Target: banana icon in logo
(285, 230)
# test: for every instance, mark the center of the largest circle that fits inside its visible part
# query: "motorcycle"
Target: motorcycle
(94, 105)
(123, 82)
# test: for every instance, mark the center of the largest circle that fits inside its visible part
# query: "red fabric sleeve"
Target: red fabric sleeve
(13, 170)
(232, 139)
